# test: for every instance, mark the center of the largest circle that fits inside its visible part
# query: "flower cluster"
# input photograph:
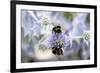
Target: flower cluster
(58, 40)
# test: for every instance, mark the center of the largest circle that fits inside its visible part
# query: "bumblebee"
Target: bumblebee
(57, 51)
(57, 29)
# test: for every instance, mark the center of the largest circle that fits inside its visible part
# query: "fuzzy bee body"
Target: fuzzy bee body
(57, 29)
(57, 51)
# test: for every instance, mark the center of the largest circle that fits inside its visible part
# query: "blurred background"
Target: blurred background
(37, 35)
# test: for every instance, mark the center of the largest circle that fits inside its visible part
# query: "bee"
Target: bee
(57, 29)
(57, 51)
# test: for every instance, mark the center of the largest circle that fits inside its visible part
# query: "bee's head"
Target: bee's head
(57, 29)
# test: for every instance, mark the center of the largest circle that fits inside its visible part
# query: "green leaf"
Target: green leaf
(69, 15)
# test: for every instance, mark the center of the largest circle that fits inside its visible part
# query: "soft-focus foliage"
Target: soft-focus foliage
(69, 15)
